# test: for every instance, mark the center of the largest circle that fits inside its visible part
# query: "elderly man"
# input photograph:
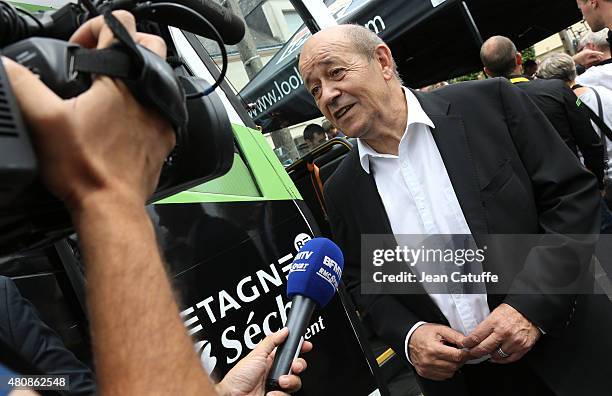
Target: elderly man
(592, 50)
(477, 159)
(600, 73)
(597, 41)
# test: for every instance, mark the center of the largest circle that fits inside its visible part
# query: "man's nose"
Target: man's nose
(329, 96)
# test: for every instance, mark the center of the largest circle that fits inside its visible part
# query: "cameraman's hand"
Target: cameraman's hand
(248, 376)
(101, 153)
(102, 143)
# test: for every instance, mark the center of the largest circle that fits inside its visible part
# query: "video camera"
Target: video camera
(29, 214)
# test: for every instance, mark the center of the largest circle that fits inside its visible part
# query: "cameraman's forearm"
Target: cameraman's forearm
(140, 344)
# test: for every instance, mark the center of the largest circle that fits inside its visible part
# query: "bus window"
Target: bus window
(270, 24)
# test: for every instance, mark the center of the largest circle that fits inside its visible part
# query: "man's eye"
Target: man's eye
(336, 72)
(314, 90)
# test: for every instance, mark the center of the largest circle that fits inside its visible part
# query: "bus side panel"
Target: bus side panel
(229, 263)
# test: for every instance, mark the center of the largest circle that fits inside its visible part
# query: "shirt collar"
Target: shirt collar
(416, 115)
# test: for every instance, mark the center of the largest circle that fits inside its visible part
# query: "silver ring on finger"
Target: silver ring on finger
(501, 353)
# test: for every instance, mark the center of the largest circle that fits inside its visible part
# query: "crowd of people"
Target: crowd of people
(575, 97)
(499, 156)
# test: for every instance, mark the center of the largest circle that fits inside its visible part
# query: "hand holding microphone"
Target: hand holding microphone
(313, 280)
(248, 376)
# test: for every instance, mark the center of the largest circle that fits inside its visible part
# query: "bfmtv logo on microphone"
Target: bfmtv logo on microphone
(331, 264)
(333, 277)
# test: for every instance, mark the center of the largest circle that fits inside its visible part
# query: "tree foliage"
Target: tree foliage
(529, 53)
(467, 77)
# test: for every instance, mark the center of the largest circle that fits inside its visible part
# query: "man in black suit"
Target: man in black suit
(556, 100)
(22, 329)
(476, 158)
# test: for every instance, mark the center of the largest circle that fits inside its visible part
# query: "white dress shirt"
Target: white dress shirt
(597, 76)
(419, 199)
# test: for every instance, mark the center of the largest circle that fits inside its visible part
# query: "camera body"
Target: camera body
(29, 214)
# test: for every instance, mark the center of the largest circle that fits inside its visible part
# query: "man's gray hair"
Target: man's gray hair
(599, 40)
(365, 42)
(560, 66)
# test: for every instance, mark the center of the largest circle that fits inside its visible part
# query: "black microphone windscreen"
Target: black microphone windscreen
(230, 27)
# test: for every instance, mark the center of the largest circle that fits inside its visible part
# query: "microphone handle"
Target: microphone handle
(297, 322)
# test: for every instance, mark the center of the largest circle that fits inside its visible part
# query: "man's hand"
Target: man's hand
(101, 141)
(431, 354)
(248, 377)
(588, 57)
(504, 328)
(101, 153)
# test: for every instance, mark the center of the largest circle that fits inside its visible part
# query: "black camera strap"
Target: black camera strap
(149, 78)
(121, 60)
(110, 62)
(605, 132)
(598, 119)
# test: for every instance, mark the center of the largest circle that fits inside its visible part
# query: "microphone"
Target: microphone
(313, 280)
(229, 26)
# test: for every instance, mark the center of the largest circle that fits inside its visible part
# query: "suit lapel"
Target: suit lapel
(374, 219)
(450, 137)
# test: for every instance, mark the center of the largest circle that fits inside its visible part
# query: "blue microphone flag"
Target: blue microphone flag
(316, 271)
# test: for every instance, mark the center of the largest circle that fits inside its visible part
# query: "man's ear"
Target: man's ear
(519, 58)
(383, 55)
(487, 71)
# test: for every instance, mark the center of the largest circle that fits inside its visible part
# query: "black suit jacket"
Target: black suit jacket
(23, 330)
(512, 174)
(558, 103)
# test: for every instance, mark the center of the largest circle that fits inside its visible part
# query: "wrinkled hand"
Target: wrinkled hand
(507, 328)
(588, 57)
(248, 377)
(101, 141)
(431, 355)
